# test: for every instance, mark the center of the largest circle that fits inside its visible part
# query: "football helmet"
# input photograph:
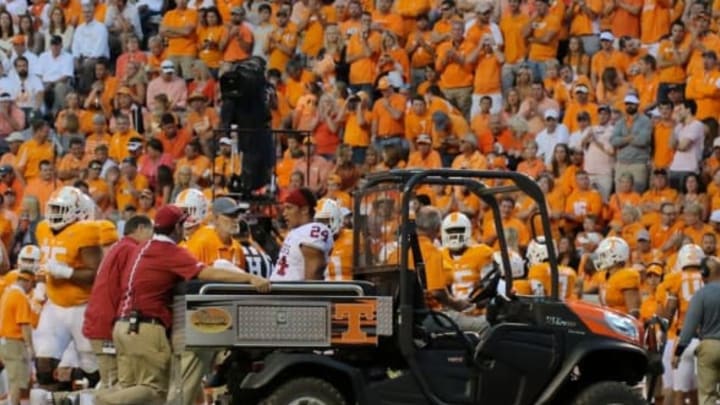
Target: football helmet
(690, 255)
(328, 211)
(63, 207)
(29, 258)
(537, 251)
(86, 209)
(456, 231)
(193, 202)
(610, 252)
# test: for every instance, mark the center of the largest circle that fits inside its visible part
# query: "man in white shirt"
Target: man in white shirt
(25, 88)
(16, 8)
(599, 154)
(122, 18)
(56, 70)
(90, 42)
(304, 252)
(553, 134)
(687, 141)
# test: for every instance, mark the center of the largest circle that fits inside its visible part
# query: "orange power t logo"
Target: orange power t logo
(354, 314)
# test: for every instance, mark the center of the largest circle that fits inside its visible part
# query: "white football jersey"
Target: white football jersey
(290, 264)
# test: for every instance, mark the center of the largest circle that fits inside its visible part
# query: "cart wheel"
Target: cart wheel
(305, 391)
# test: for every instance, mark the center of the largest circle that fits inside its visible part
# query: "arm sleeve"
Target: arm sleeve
(617, 134)
(692, 319)
(184, 265)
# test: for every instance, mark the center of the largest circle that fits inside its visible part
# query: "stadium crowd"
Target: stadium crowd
(611, 105)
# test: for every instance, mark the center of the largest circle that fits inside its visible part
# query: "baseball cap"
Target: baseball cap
(643, 235)
(551, 113)
(715, 216)
(5, 97)
(169, 215)
(484, 7)
(296, 197)
(15, 137)
(604, 107)
(383, 84)
(631, 99)
(225, 206)
(5, 169)
(225, 141)
(56, 40)
(655, 268)
(581, 88)
(607, 36)
(424, 138)
(134, 146)
(167, 66)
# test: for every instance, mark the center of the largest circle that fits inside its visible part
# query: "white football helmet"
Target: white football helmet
(610, 252)
(62, 207)
(537, 251)
(517, 264)
(456, 231)
(328, 211)
(690, 255)
(86, 210)
(29, 258)
(193, 202)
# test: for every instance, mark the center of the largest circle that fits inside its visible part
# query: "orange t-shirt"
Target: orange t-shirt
(623, 23)
(544, 52)
(30, 154)
(184, 45)
(654, 20)
(288, 37)
(362, 70)
(15, 311)
(386, 124)
(209, 39)
(452, 74)
(233, 51)
(672, 74)
(487, 75)
(515, 45)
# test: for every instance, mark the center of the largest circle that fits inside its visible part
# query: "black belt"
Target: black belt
(143, 319)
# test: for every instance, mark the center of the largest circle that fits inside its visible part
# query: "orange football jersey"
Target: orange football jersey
(339, 266)
(682, 285)
(541, 281)
(467, 268)
(206, 246)
(64, 247)
(613, 288)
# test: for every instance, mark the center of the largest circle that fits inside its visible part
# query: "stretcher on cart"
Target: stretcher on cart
(294, 315)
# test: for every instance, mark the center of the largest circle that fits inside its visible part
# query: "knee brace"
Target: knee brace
(45, 370)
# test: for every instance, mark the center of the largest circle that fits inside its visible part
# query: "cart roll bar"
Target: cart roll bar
(287, 288)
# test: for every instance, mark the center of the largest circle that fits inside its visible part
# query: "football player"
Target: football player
(467, 260)
(673, 297)
(304, 252)
(539, 272)
(71, 254)
(339, 266)
(257, 262)
(196, 205)
(620, 284)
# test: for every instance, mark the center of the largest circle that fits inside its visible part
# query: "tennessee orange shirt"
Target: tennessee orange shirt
(185, 45)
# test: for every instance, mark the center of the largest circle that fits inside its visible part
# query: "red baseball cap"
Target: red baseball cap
(168, 216)
(296, 197)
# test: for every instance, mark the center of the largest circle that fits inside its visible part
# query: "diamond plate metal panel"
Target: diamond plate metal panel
(283, 325)
(384, 316)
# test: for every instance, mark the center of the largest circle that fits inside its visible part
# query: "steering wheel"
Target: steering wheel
(486, 288)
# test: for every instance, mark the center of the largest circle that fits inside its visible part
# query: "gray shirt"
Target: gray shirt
(703, 315)
(638, 150)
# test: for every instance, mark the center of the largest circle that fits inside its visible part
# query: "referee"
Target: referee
(703, 319)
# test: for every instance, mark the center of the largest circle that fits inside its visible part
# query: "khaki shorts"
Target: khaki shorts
(17, 362)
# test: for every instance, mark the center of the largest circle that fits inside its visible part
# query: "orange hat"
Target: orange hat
(383, 84)
(18, 40)
(655, 268)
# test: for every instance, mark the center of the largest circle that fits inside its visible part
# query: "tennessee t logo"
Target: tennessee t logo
(354, 314)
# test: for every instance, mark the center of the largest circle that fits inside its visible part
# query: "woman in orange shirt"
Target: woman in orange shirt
(392, 57)
(531, 165)
(576, 58)
(693, 192)
(203, 82)
(624, 196)
(210, 34)
(611, 89)
(555, 200)
(560, 161)
(325, 127)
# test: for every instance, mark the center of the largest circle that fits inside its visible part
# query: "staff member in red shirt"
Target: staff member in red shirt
(144, 315)
(105, 296)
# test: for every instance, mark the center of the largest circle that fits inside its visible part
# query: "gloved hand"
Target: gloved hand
(59, 270)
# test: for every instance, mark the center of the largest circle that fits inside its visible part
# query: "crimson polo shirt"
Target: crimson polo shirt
(154, 269)
(102, 307)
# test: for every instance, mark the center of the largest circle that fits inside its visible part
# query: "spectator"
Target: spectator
(238, 44)
(632, 140)
(542, 35)
(201, 166)
(123, 20)
(12, 118)
(25, 87)
(43, 185)
(687, 141)
(552, 135)
(90, 42)
(34, 40)
(20, 49)
(203, 83)
(56, 73)
(59, 26)
(35, 150)
(178, 28)
(211, 32)
(173, 137)
(170, 84)
(454, 62)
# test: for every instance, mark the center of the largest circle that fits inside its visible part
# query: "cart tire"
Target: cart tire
(305, 391)
(609, 393)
